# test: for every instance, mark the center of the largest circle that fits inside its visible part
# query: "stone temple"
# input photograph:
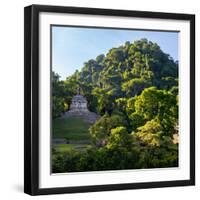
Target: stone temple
(79, 108)
(78, 104)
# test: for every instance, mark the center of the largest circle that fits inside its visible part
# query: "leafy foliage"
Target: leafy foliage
(134, 88)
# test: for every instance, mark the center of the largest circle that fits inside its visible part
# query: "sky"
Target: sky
(72, 46)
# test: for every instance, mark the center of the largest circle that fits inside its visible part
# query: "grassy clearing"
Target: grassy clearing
(61, 148)
(71, 128)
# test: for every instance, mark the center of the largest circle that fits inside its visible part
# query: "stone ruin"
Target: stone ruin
(79, 108)
(78, 104)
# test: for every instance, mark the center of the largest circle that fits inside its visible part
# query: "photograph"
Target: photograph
(109, 99)
(114, 99)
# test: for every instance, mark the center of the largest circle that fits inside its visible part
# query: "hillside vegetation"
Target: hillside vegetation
(134, 88)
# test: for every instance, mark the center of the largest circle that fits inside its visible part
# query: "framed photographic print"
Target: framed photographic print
(109, 99)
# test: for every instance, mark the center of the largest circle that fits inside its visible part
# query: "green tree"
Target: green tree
(119, 138)
(161, 104)
(150, 134)
(100, 131)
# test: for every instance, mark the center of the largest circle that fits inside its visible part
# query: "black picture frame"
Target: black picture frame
(31, 98)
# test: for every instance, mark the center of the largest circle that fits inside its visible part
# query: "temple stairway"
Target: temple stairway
(88, 116)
